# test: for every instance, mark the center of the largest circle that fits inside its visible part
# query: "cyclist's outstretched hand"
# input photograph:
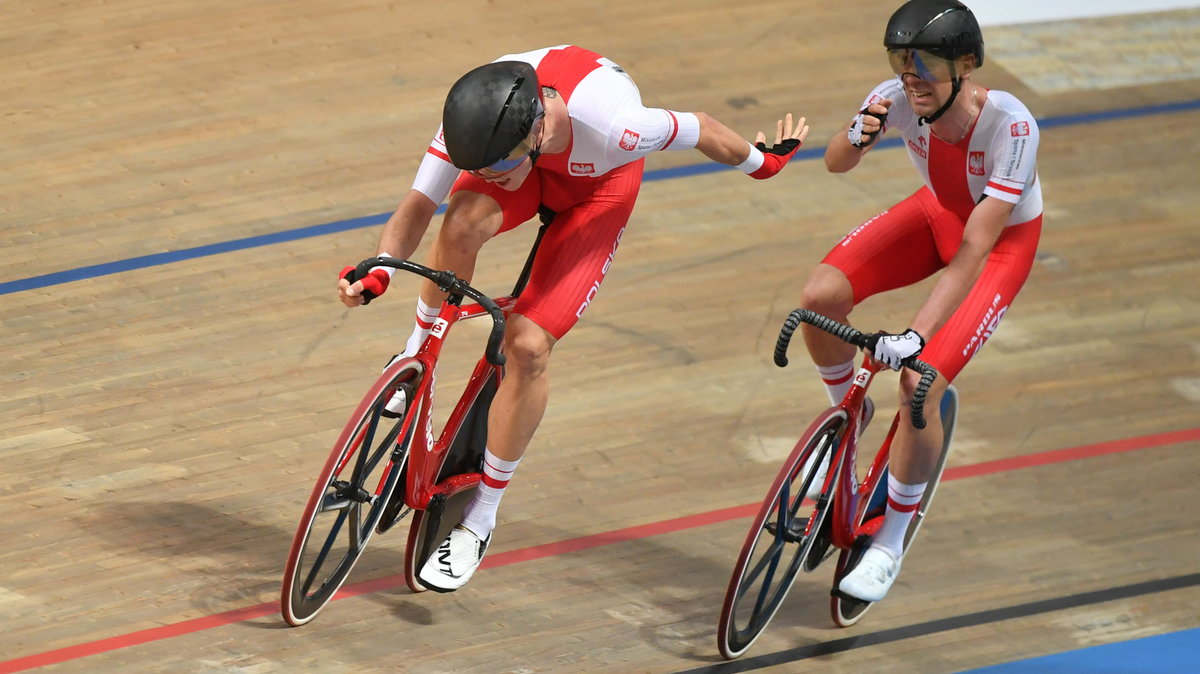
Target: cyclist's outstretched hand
(363, 290)
(891, 349)
(788, 139)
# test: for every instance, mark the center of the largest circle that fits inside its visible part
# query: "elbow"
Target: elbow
(836, 164)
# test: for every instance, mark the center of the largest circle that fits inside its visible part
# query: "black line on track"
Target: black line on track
(747, 664)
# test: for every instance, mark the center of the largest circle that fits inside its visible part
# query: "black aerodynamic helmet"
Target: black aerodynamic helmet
(946, 28)
(489, 111)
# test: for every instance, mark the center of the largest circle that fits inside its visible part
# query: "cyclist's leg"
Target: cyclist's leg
(475, 212)
(915, 454)
(572, 260)
(891, 250)
(574, 256)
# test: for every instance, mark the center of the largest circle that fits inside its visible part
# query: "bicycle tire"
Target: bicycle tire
(786, 521)
(349, 497)
(846, 610)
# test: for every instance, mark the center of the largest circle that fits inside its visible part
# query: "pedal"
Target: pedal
(821, 546)
(794, 532)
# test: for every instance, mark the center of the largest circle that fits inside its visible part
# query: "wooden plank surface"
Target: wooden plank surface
(160, 427)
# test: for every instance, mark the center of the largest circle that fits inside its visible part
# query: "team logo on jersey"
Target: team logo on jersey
(629, 140)
(583, 168)
(987, 326)
(975, 163)
(919, 149)
(1019, 129)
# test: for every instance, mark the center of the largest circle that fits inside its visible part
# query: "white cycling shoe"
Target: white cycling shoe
(814, 487)
(394, 408)
(455, 560)
(873, 577)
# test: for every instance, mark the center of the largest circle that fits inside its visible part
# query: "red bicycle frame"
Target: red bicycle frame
(425, 454)
(852, 496)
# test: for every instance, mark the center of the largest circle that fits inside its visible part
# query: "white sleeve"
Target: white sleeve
(639, 131)
(436, 174)
(900, 114)
(1014, 155)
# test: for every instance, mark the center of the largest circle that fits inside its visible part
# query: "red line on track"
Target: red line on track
(574, 545)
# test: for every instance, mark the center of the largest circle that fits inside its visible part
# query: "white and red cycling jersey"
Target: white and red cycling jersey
(920, 235)
(609, 125)
(999, 160)
(591, 186)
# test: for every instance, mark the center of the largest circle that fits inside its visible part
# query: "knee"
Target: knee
(527, 347)
(908, 388)
(828, 292)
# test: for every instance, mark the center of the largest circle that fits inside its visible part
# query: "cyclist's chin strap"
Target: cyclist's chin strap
(956, 86)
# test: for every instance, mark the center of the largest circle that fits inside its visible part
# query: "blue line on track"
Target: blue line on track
(1173, 652)
(144, 261)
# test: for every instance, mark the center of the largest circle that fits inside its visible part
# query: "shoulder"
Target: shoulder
(603, 91)
(533, 58)
(1009, 107)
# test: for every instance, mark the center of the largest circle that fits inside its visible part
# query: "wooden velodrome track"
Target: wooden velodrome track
(164, 416)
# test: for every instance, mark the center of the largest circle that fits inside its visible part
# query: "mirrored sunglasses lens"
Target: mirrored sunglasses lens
(933, 67)
(504, 165)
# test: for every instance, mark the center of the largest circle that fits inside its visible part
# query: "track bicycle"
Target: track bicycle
(791, 532)
(385, 466)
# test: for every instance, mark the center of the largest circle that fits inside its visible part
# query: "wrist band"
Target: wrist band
(387, 270)
(753, 162)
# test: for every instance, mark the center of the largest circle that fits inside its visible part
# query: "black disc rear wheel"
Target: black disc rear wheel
(847, 610)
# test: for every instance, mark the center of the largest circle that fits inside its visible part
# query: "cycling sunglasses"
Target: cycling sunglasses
(921, 63)
(523, 150)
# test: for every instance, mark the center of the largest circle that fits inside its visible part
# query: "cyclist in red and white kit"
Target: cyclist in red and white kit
(560, 128)
(977, 219)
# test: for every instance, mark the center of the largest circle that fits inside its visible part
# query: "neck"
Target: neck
(558, 123)
(954, 125)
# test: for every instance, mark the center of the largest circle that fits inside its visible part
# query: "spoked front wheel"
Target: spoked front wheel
(349, 497)
(846, 610)
(780, 537)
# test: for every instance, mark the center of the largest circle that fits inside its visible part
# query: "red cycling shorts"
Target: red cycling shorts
(577, 250)
(918, 237)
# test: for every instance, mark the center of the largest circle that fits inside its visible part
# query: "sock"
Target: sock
(837, 380)
(425, 316)
(480, 514)
(903, 501)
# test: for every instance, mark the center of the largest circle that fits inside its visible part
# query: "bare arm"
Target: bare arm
(723, 145)
(406, 227)
(982, 229)
(841, 155)
(400, 237)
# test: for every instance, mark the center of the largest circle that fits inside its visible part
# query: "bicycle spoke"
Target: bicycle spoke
(770, 558)
(319, 561)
